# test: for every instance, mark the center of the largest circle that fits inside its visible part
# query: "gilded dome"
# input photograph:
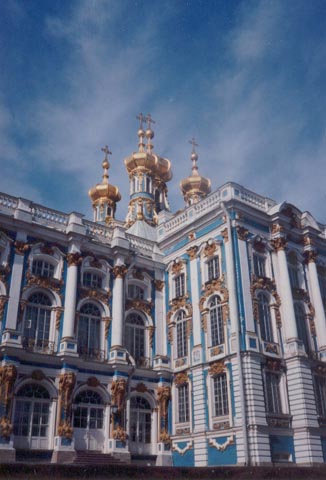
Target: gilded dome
(147, 161)
(104, 195)
(195, 187)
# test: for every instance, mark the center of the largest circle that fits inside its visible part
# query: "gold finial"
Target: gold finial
(149, 132)
(194, 156)
(106, 164)
(141, 133)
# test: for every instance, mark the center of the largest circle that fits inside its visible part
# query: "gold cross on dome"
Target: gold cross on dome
(141, 119)
(193, 143)
(106, 151)
(149, 120)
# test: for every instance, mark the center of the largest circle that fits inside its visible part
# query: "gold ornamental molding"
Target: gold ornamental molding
(107, 322)
(43, 282)
(310, 256)
(216, 368)
(192, 252)
(151, 330)
(210, 249)
(242, 233)
(118, 392)
(159, 285)
(181, 379)
(274, 365)
(214, 287)
(119, 271)
(140, 388)
(21, 247)
(8, 375)
(277, 228)
(163, 398)
(137, 304)
(3, 301)
(95, 293)
(92, 382)
(74, 259)
(137, 273)
(279, 243)
(177, 266)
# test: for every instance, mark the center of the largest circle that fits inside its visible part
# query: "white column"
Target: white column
(119, 272)
(70, 295)
(231, 284)
(245, 279)
(284, 287)
(154, 434)
(160, 330)
(317, 301)
(15, 284)
(194, 296)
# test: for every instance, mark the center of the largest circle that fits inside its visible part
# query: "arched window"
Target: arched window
(140, 420)
(182, 340)
(300, 317)
(89, 330)
(89, 411)
(216, 321)
(265, 320)
(135, 337)
(37, 318)
(32, 409)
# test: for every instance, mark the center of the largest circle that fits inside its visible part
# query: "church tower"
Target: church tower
(195, 187)
(104, 196)
(148, 174)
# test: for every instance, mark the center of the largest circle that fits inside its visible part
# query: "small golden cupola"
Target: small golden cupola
(104, 196)
(195, 187)
(148, 174)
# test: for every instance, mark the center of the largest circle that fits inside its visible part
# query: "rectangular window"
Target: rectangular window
(294, 276)
(91, 279)
(213, 268)
(320, 392)
(179, 284)
(183, 403)
(41, 268)
(259, 265)
(273, 396)
(221, 402)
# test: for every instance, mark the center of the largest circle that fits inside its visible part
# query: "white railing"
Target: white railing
(102, 233)
(144, 246)
(227, 192)
(49, 217)
(8, 204)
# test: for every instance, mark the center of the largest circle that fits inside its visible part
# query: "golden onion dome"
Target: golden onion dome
(104, 192)
(145, 160)
(195, 187)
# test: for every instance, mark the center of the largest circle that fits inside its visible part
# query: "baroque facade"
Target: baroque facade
(196, 338)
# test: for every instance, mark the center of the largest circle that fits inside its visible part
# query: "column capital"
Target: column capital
(279, 243)
(192, 252)
(74, 259)
(119, 271)
(310, 256)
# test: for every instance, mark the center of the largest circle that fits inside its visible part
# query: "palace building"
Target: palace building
(188, 339)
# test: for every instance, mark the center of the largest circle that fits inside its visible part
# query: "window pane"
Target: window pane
(221, 402)
(273, 398)
(213, 268)
(183, 404)
(216, 322)
(265, 319)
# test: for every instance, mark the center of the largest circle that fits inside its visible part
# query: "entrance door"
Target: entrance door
(140, 426)
(88, 421)
(31, 419)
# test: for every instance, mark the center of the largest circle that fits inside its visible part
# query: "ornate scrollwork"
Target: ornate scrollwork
(118, 391)
(95, 293)
(5, 427)
(136, 273)
(44, 282)
(21, 247)
(225, 235)
(274, 364)
(177, 266)
(165, 437)
(210, 249)
(310, 256)
(107, 323)
(163, 397)
(181, 379)
(3, 301)
(242, 233)
(120, 434)
(137, 304)
(8, 375)
(279, 243)
(216, 368)
(119, 271)
(151, 330)
(214, 286)
(65, 429)
(66, 386)
(192, 252)
(159, 285)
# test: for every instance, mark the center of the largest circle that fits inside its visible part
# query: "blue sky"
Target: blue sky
(246, 78)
